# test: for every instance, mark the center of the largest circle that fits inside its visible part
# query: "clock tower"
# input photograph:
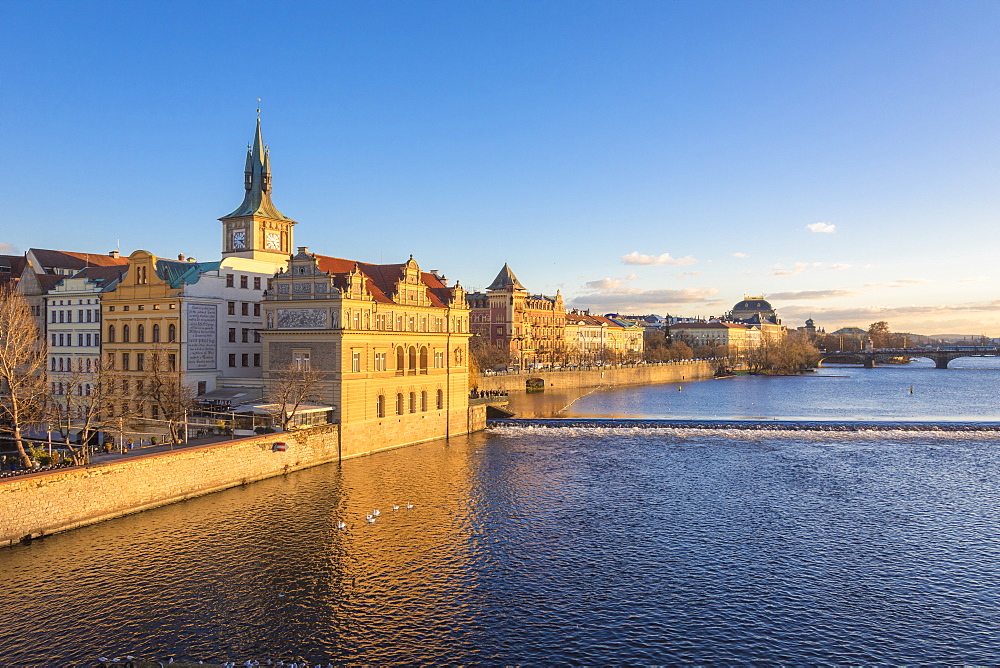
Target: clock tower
(256, 229)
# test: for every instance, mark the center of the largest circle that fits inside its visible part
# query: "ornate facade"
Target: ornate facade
(532, 328)
(388, 345)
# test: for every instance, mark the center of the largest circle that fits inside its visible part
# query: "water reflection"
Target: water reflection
(555, 546)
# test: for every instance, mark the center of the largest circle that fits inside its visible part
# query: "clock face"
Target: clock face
(272, 240)
(239, 239)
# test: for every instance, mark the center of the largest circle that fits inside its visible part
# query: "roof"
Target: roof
(753, 304)
(709, 325)
(11, 268)
(175, 272)
(381, 279)
(102, 275)
(257, 181)
(505, 279)
(74, 260)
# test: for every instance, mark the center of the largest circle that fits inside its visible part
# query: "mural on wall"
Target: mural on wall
(301, 318)
(201, 336)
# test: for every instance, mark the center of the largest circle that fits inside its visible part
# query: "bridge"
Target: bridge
(941, 355)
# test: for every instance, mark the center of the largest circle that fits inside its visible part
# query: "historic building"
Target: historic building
(73, 308)
(739, 337)
(597, 338)
(532, 328)
(386, 344)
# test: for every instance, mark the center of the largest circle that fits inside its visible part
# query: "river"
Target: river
(570, 545)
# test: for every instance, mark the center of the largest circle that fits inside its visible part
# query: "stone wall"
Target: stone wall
(35, 505)
(611, 376)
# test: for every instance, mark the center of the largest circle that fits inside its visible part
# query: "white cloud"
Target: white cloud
(823, 228)
(636, 257)
(811, 294)
(8, 249)
(605, 284)
(840, 265)
(796, 269)
(634, 299)
(740, 255)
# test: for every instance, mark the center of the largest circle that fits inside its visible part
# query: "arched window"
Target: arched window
(440, 401)
(140, 333)
(413, 402)
(413, 359)
(423, 359)
(156, 333)
(423, 401)
(53, 363)
(380, 406)
(125, 334)
(60, 363)
(400, 362)
(172, 333)
(399, 404)
(111, 333)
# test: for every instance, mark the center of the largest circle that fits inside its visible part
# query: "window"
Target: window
(440, 399)
(256, 309)
(243, 282)
(232, 359)
(246, 335)
(171, 332)
(111, 360)
(412, 360)
(355, 362)
(245, 359)
(140, 362)
(155, 412)
(232, 308)
(413, 402)
(53, 364)
(53, 339)
(380, 406)
(357, 320)
(61, 316)
(380, 362)
(270, 282)
(256, 282)
(423, 401)
(256, 336)
(140, 334)
(399, 404)
(245, 309)
(79, 340)
(232, 335)
(171, 362)
(156, 333)
(438, 359)
(400, 361)
(229, 280)
(301, 361)
(423, 359)
(256, 359)
(125, 334)
(124, 361)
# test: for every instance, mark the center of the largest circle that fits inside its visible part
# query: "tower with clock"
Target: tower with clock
(256, 229)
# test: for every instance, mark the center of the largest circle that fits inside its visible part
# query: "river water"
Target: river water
(570, 545)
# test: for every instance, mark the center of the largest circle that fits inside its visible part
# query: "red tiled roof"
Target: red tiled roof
(381, 279)
(74, 260)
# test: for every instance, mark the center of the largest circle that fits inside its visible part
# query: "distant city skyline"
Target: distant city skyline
(642, 157)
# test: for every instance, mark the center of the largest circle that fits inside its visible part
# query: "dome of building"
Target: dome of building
(752, 306)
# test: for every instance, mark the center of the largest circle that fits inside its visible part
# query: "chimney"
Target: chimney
(191, 259)
(115, 254)
(180, 257)
(303, 249)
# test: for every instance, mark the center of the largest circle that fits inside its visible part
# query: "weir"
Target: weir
(757, 425)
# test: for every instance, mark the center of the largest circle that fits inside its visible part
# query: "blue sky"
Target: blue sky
(667, 157)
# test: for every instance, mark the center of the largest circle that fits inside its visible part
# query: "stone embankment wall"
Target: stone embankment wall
(610, 376)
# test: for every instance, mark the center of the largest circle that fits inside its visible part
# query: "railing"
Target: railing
(595, 367)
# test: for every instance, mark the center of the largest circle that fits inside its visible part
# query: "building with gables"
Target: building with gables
(387, 344)
(531, 328)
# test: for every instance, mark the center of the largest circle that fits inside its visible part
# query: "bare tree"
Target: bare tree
(22, 369)
(161, 388)
(86, 403)
(289, 387)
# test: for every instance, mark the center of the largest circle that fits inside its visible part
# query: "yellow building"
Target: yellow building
(387, 343)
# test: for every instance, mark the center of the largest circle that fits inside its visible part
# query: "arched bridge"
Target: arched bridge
(941, 355)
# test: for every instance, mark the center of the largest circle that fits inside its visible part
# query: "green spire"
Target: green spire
(257, 182)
